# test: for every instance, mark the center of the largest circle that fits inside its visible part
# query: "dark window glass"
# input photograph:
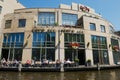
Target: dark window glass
(99, 42)
(100, 56)
(43, 46)
(43, 39)
(22, 22)
(13, 40)
(92, 26)
(13, 46)
(43, 53)
(100, 53)
(8, 23)
(115, 49)
(74, 38)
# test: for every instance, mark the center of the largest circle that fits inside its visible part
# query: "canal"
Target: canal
(80, 75)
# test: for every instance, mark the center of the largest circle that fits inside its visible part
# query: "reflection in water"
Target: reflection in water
(81, 75)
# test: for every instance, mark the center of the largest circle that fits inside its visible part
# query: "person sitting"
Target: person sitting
(3, 62)
(68, 63)
(58, 63)
(45, 62)
(28, 63)
(15, 63)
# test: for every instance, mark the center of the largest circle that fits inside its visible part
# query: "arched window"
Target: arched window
(0, 9)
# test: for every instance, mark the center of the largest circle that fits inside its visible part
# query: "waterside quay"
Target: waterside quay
(56, 68)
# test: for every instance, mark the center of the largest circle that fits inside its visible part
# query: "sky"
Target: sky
(109, 9)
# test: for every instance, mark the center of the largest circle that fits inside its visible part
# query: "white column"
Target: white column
(56, 45)
(27, 54)
(27, 51)
(59, 52)
(60, 17)
(110, 54)
(88, 47)
(62, 52)
(89, 55)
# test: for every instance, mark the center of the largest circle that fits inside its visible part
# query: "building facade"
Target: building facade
(69, 32)
(7, 6)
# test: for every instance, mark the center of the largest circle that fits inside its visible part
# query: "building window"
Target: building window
(13, 46)
(46, 18)
(92, 26)
(8, 23)
(0, 9)
(71, 38)
(102, 28)
(100, 53)
(69, 19)
(43, 46)
(99, 42)
(74, 44)
(115, 50)
(22, 22)
(111, 30)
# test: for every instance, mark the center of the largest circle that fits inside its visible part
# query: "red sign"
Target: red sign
(84, 8)
(116, 48)
(74, 45)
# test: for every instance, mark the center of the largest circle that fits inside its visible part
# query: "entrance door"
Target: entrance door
(5, 53)
(81, 57)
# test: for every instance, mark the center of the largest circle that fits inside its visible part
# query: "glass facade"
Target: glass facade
(115, 50)
(43, 46)
(98, 42)
(92, 27)
(99, 46)
(69, 19)
(73, 53)
(46, 18)
(22, 22)
(71, 38)
(13, 46)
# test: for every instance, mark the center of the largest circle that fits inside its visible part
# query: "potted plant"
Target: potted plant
(88, 62)
(76, 61)
(56, 24)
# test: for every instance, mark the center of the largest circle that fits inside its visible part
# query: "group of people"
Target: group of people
(7, 63)
(43, 63)
(33, 63)
(68, 63)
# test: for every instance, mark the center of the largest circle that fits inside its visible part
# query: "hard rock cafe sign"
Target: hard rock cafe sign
(74, 45)
(84, 8)
(116, 48)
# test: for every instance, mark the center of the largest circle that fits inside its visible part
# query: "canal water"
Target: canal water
(80, 75)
